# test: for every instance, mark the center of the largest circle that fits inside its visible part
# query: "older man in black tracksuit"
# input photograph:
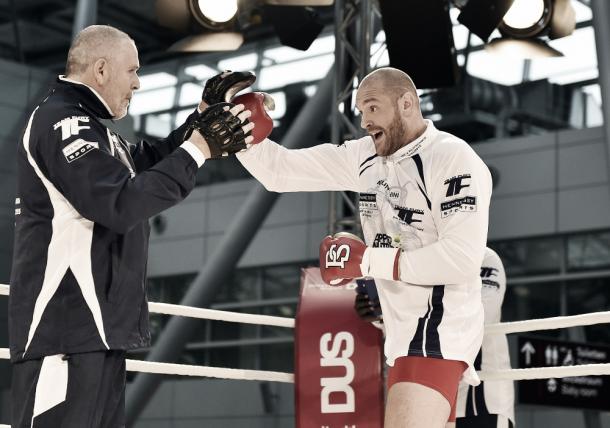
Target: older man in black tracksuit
(78, 284)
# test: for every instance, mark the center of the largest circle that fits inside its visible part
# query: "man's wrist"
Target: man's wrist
(196, 153)
(202, 106)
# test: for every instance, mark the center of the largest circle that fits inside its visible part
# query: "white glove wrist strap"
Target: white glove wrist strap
(380, 262)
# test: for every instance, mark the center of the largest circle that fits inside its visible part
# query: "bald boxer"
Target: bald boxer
(424, 203)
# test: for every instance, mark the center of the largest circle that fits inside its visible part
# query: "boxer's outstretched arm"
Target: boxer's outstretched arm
(320, 168)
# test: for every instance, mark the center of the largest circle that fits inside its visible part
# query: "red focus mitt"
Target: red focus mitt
(258, 103)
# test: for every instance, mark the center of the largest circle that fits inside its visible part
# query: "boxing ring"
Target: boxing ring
(552, 323)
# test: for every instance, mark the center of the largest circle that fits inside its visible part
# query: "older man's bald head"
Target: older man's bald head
(390, 80)
(92, 43)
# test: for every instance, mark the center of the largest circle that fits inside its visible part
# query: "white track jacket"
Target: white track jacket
(431, 199)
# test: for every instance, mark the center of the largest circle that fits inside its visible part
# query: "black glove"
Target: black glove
(222, 87)
(367, 304)
(221, 129)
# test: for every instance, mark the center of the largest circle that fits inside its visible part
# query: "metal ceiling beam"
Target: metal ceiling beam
(17, 37)
(222, 262)
(354, 23)
(86, 15)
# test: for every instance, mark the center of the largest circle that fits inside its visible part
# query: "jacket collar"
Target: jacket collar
(88, 96)
(416, 146)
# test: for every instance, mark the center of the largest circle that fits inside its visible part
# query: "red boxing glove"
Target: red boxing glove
(341, 257)
(344, 257)
(258, 103)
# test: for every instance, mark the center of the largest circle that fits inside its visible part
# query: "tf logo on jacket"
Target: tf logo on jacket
(464, 204)
(70, 126)
(456, 184)
(410, 216)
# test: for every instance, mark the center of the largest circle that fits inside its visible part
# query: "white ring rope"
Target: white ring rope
(199, 371)
(546, 372)
(213, 314)
(207, 314)
(239, 374)
(552, 323)
(203, 371)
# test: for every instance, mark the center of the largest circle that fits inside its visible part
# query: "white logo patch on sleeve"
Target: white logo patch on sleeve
(466, 204)
(79, 148)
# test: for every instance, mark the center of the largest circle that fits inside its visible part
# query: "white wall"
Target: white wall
(551, 183)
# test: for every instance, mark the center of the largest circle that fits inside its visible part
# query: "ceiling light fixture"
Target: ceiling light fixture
(525, 25)
(214, 14)
(527, 18)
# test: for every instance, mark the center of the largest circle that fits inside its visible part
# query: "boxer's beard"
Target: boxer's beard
(395, 135)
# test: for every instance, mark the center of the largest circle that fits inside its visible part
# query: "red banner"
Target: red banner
(338, 378)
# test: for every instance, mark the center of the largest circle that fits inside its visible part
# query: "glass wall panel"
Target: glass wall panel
(530, 257)
(589, 251)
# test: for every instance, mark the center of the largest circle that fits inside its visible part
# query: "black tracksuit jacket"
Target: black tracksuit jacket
(84, 196)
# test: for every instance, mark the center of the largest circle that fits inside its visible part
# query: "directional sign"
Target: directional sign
(589, 392)
(527, 350)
